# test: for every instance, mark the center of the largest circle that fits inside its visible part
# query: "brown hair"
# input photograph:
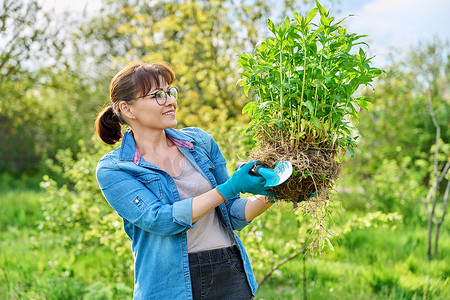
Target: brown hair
(133, 80)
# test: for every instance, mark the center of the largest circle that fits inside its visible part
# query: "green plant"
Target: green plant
(303, 80)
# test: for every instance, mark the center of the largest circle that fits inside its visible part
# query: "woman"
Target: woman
(171, 187)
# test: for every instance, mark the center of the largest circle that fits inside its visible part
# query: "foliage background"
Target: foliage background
(62, 241)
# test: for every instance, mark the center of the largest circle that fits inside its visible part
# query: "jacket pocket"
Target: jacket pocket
(153, 183)
(209, 165)
(140, 204)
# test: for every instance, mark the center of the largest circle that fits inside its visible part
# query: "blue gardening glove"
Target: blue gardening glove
(242, 182)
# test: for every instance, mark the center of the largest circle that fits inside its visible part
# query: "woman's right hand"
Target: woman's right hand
(242, 182)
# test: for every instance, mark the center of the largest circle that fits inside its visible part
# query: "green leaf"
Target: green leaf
(246, 89)
(325, 20)
(284, 27)
(336, 97)
(245, 56)
(363, 103)
(316, 122)
(375, 72)
(280, 125)
(289, 85)
(249, 107)
(321, 8)
(351, 150)
(242, 82)
(309, 105)
(298, 18)
(316, 32)
(247, 74)
(362, 54)
(271, 26)
(243, 63)
(306, 174)
(311, 15)
(263, 105)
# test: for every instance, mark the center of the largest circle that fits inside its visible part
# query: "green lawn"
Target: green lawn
(371, 263)
(34, 266)
(368, 264)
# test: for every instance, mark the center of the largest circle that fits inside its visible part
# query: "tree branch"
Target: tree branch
(436, 183)
(438, 128)
(277, 266)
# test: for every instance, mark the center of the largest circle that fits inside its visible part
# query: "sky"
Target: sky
(397, 24)
(389, 24)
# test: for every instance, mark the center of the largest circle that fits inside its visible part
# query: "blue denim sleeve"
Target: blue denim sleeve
(138, 204)
(236, 205)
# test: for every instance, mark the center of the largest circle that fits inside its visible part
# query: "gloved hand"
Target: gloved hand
(242, 182)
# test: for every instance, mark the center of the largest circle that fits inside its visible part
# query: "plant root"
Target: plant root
(315, 170)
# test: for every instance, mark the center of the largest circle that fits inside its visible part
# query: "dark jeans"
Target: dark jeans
(218, 274)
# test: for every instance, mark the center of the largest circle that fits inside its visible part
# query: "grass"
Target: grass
(369, 263)
(19, 210)
(33, 266)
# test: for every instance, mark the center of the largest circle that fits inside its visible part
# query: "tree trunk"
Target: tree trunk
(430, 229)
(436, 238)
(304, 275)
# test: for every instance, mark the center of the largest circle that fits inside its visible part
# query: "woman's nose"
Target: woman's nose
(171, 100)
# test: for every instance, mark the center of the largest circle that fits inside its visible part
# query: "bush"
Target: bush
(76, 214)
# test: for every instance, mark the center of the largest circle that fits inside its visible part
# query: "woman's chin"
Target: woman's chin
(173, 123)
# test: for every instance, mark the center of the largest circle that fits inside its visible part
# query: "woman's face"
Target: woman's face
(147, 113)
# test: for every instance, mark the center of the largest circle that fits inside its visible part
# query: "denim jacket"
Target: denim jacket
(156, 219)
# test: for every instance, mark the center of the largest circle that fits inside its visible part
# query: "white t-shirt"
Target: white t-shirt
(208, 232)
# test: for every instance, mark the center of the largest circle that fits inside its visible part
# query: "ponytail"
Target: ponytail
(108, 127)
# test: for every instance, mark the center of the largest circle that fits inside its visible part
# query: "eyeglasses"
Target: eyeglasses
(161, 96)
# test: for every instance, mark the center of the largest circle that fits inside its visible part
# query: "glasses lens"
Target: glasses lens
(174, 92)
(160, 97)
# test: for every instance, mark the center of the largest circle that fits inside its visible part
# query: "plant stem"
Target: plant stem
(315, 94)
(300, 114)
(281, 79)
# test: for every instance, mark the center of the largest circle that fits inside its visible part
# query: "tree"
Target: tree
(436, 69)
(46, 101)
(405, 149)
(22, 37)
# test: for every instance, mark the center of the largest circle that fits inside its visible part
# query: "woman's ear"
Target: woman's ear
(125, 109)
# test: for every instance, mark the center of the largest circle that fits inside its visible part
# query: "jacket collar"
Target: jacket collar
(129, 152)
(180, 139)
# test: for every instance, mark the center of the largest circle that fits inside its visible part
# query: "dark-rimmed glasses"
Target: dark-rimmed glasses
(161, 96)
